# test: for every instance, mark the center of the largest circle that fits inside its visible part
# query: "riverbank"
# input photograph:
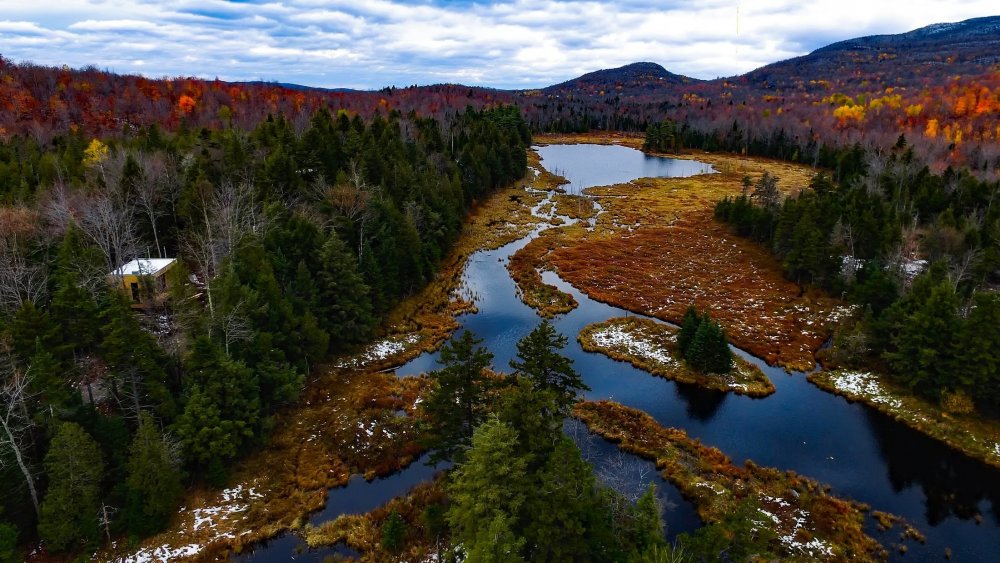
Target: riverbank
(656, 249)
(969, 434)
(348, 419)
(794, 516)
(652, 347)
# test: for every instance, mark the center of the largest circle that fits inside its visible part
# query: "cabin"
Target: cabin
(144, 280)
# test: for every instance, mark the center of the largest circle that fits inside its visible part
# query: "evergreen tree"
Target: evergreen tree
(344, 305)
(558, 516)
(708, 350)
(646, 530)
(541, 362)
(459, 399)
(925, 340)
(74, 467)
(487, 492)
(135, 360)
(154, 478)
(688, 328)
(394, 533)
(537, 417)
(223, 406)
(977, 365)
(8, 544)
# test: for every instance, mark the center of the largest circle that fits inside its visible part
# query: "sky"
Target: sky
(369, 44)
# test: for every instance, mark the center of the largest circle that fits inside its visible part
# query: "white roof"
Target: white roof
(144, 267)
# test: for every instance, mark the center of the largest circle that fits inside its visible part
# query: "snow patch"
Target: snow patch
(232, 502)
(634, 344)
(381, 350)
(864, 384)
(162, 553)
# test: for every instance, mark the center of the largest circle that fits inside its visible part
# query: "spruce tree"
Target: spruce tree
(394, 533)
(924, 342)
(541, 362)
(487, 491)
(709, 351)
(688, 328)
(344, 303)
(154, 478)
(646, 523)
(977, 366)
(74, 467)
(223, 405)
(458, 401)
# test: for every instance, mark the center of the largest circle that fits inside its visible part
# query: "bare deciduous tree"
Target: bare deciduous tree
(20, 279)
(234, 326)
(353, 200)
(230, 214)
(151, 193)
(109, 222)
(15, 422)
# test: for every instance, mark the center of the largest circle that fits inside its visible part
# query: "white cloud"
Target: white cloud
(518, 43)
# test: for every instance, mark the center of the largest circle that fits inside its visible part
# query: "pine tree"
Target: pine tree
(458, 401)
(223, 406)
(924, 343)
(393, 533)
(154, 477)
(487, 491)
(74, 467)
(688, 328)
(541, 362)
(345, 307)
(709, 351)
(977, 366)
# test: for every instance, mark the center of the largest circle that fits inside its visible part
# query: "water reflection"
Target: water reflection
(702, 404)
(602, 165)
(862, 454)
(952, 484)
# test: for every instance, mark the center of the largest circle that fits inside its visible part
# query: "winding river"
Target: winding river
(861, 453)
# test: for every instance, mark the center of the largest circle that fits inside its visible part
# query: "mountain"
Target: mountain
(945, 48)
(632, 79)
(938, 85)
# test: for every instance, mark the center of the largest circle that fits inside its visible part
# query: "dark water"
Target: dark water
(859, 452)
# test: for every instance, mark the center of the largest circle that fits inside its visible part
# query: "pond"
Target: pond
(862, 454)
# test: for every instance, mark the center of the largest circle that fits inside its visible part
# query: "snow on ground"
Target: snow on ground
(913, 267)
(381, 350)
(814, 548)
(231, 503)
(162, 553)
(864, 384)
(634, 344)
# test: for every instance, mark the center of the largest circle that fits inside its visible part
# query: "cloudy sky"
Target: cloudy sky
(376, 43)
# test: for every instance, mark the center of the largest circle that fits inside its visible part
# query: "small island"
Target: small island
(652, 346)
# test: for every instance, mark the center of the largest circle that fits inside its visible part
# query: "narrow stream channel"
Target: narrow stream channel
(862, 454)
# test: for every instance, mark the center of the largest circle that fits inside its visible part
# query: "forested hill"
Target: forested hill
(632, 79)
(944, 49)
(939, 86)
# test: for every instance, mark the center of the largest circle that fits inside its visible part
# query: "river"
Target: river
(861, 453)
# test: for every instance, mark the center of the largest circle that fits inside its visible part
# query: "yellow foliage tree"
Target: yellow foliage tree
(932, 129)
(95, 153)
(848, 113)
